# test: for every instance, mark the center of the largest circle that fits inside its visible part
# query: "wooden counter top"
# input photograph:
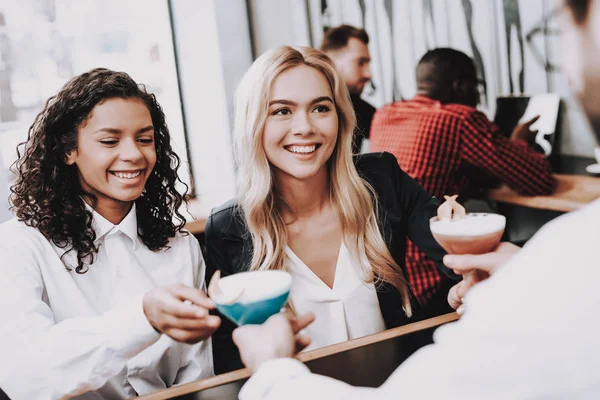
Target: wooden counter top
(196, 217)
(329, 351)
(572, 192)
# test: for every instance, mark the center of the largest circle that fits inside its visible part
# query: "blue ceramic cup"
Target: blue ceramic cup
(264, 294)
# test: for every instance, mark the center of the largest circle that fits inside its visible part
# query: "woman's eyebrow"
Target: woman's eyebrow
(322, 98)
(284, 102)
(120, 131)
(146, 129)
(293, 103)
(109, 130)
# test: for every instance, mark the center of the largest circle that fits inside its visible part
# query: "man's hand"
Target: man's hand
(181, 312)
(457, 292)
(475, 268)
(523, 131)
(277, 338)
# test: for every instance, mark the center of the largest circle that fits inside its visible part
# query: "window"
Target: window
(44, 43)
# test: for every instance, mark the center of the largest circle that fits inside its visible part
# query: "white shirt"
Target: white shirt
(64, 334)
(531, 331)
(348, 310)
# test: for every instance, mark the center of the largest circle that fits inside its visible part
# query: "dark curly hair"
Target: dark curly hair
(47, 193)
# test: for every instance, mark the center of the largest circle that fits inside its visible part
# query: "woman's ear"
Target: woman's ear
(70, 157)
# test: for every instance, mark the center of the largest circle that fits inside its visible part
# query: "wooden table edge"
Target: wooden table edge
(377, 337)
(239, 374)
(194, 208)
(196, 226)
(554, 202)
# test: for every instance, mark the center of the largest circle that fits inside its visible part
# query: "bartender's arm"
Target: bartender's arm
(267, 350)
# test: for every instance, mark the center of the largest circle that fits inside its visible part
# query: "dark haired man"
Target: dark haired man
(348, 47)
(445, 144)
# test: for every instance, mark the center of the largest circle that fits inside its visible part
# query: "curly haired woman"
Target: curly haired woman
(99, 295)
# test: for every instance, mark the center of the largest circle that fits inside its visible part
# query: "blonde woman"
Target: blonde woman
(338, 224)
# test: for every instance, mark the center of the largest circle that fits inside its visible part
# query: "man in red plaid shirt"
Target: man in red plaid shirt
(445, 144)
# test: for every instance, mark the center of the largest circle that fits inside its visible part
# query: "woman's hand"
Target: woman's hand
(180, 312)
(277, 338)
(475, 268)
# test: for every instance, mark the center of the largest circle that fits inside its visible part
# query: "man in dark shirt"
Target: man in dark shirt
(449, 147)
(348, 47)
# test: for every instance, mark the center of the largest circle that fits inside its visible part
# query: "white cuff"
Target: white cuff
(269, 374)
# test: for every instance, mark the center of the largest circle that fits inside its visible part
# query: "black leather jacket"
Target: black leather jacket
(404, 211)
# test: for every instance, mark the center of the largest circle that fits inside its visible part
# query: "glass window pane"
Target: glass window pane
(43, 43)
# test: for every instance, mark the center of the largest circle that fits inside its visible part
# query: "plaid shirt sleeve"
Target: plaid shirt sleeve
(512, 161)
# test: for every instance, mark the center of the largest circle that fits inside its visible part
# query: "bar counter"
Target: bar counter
(572, 192)
(366, 361)
(196, 217)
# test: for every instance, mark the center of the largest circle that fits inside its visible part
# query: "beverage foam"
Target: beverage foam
(474, 224)
(256, 285)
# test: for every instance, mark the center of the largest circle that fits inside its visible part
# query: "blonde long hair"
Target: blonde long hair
(353, 197)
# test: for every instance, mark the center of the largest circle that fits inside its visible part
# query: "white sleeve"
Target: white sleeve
(197, 359)
(287, 378)
(42, 359)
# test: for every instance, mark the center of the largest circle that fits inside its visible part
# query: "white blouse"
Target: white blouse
(348, 310)
(64, 334)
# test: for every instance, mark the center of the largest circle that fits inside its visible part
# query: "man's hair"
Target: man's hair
(579, 8)
(337, 38)
(444, 65)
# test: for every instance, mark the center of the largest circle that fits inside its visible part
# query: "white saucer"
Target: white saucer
(593, 169)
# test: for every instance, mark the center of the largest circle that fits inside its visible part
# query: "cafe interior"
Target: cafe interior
(192, 54)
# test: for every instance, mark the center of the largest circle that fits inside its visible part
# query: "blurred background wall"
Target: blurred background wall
(493, 32)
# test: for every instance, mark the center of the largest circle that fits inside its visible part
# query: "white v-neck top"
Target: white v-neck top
(347, 311)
